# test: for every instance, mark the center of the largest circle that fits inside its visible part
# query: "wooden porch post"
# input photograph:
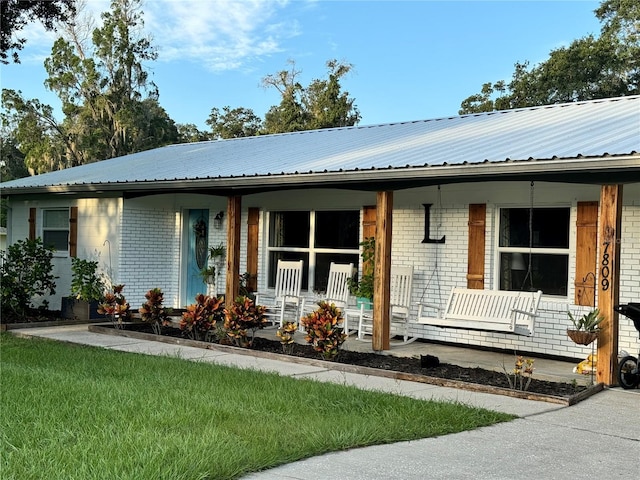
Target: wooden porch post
(609, 281)
(234, 212)
(382, 272)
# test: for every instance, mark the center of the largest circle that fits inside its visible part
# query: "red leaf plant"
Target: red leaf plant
(199, 321)
(153, 312)
(115, 306)
(242, 318)
(324, 330)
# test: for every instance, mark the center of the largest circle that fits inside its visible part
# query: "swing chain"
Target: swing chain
(529, 276)
(435, 272)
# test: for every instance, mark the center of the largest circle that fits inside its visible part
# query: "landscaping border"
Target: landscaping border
(48, 323)
(343, 367)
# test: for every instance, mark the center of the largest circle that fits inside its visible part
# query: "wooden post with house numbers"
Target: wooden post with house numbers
(609, 281)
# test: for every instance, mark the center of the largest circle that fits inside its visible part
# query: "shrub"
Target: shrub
(201, 317)
(86, 284)
(26, 268)
(324, 329)
(115, 305)
(241, 317)
(153, 312)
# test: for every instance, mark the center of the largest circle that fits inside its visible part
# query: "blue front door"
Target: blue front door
(197, 249)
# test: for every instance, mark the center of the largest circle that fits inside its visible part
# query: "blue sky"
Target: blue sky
(412, 60)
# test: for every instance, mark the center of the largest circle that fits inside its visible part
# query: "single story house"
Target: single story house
(542, 198)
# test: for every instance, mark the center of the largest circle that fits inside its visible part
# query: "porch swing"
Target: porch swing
(500, 311)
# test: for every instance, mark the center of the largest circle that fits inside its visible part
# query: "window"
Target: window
(316, 237)
(544, 247)
(55, 229)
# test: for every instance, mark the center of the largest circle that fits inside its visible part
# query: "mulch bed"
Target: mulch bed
(406, 368)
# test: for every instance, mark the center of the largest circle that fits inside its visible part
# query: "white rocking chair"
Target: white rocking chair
(286, 295)
(400, 300)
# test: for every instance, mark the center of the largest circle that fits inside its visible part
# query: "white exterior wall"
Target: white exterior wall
(99, 221)
(433, 285)
(152, 247)
(150, 254)
(630, 273)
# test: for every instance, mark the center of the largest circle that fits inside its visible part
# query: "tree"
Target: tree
(14, 15)
(110, 106)
(233, 123)
(12, 164)
(290, 115)
(322, 104)
(589, 68)
(326, 104)
(102, 86)
(189, 132)
(37, 133)
(621, 20)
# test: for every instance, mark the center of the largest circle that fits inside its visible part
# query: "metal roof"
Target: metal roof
(581, 131)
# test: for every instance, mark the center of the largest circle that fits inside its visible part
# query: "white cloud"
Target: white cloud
(219, 34)
(222, 35)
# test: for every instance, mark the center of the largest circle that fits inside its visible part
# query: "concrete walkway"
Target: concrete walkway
(597, 438)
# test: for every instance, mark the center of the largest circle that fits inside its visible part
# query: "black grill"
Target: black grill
(631, 310)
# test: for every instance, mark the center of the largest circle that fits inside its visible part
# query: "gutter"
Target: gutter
(598, 170)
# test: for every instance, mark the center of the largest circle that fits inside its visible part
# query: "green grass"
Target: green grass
(75, 412)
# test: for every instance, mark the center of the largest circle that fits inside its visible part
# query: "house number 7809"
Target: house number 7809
(604, 270)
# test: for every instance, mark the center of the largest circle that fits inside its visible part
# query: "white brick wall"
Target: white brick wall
(550, 332)
(629, 275)
(150, 254)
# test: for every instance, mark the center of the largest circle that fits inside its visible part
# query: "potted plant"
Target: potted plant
(363, 289)
(586, 328)
(215, 259)
(87, 290)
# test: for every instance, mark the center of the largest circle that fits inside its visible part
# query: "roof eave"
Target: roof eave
(605, 169)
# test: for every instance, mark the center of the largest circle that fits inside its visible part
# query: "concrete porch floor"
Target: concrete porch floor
(545, 369)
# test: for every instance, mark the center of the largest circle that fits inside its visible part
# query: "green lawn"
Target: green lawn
(74, 412)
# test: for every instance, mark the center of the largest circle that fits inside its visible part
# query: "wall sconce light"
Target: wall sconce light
(217, 220)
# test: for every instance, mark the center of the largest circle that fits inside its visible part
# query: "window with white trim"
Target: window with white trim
(316, 237)
(533, 249)
(55, 229)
